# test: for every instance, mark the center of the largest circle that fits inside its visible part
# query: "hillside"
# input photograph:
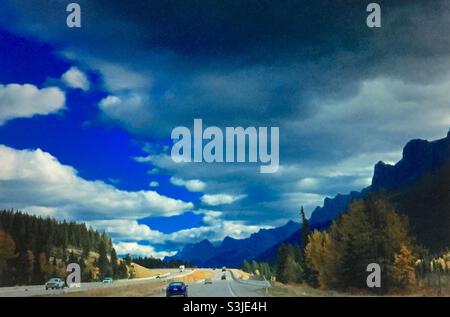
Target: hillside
(32, 249)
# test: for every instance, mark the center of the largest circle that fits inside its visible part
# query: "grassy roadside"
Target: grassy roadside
(301, 290)
(195, 276)
(239, 274)
(136, 290)
(143, 272)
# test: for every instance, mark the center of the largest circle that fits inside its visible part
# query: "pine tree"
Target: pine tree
(114, 263)
(255, 267)
(246, 267)
(288, 270)
(7, 252)
(103, 262)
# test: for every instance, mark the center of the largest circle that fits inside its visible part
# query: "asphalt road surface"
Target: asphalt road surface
(39, 290)
(225, 288)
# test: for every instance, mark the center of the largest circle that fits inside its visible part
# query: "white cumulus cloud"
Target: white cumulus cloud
(136, 249)
(220, 199)
(193, 185)
(25, 101)
(75, 78)
(33, 178)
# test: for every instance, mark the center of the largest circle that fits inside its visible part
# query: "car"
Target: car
(55, 283)
(224, 277)
(176, 289)
(224, 269)
(107, 280)
(208, 281)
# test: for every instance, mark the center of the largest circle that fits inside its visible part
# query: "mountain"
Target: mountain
(426, 202)
(420, 157)
(418, 186)
(232, 252)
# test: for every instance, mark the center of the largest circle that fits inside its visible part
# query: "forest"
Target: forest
(371, 231)
(33, 249)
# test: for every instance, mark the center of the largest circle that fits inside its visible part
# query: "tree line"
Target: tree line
(154, 263)
(370, 232)
(33, 249)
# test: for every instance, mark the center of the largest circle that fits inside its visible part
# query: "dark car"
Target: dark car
(224, 277)
(176, 289)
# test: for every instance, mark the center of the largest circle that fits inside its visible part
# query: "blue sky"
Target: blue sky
(86, 115)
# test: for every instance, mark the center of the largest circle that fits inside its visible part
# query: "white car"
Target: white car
(55, 283)
(107, 280)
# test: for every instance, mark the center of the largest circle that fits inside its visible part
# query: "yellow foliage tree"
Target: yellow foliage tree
(404, 267)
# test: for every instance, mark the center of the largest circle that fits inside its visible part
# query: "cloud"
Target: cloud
(33, 178)
(25, 101)
(214, 228)
(153, 184)
(136, 249)
(193, 185)
(75, 78)
(317, 73)
(220, 199)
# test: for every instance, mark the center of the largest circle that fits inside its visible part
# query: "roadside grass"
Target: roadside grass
(302, 290)
(134, 290)
(143, 272)
(239, 274)
(195, 276)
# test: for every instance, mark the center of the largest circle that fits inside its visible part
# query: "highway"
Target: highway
(225, 288)
(219, 288)
(39, 290)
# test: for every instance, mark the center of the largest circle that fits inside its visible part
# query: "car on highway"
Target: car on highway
(176, 289)
(224, 277)
(107, 280)
(55, 283)
(208, 281)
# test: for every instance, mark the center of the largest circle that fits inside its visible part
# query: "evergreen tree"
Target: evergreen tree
(288, 270)
(7, 252)
(255, 267)
(114, 263)
(103, 262)
(246, 267)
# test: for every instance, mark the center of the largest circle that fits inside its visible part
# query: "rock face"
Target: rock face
(420, 157)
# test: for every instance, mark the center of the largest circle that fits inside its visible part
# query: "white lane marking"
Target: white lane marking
(231, 291)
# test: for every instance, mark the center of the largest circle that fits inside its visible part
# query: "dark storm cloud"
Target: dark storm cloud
(336, 88)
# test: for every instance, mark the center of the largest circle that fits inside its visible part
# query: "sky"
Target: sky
(86, 113)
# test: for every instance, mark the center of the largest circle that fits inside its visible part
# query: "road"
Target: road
(39, 290)
(225, 288)
(219, 288)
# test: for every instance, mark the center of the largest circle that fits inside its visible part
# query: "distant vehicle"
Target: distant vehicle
(208, 281)
(224, 277)
(182, 268)
(107, 280)
(214, 269)
(176, 289)
(224, 268)
(55, 283)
